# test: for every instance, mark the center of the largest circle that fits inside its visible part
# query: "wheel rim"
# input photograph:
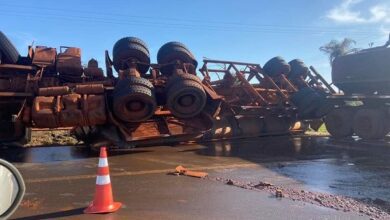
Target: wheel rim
(187, 103)
(134, 108)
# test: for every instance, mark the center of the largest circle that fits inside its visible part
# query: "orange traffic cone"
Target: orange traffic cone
(103, 201)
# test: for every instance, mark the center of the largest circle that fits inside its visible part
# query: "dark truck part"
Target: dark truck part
(133, 98)
(252, 109)
(8, 52)
(305, 90)
(364, 72)
(185, 95)
(131, 49)
(171, 53)
(367, 116)
(363, 109)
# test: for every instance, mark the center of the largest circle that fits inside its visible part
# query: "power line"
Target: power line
(99, 20)
(198, 24)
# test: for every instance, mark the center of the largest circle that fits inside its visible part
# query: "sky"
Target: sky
(245, 30)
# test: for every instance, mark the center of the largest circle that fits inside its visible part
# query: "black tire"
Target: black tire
(339, 122)
(186, 99)
(138, 81)
(133, 103)
(166, 48)
(174, 79)
(298, 69)
(126, 49)
(307, 101)
(173, 51)
(9, 52)
(276, 66)
(130, 40)
(177, 53)
(370, 124)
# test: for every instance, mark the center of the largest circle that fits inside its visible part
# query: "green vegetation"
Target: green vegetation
(337, 48)
(321, 131)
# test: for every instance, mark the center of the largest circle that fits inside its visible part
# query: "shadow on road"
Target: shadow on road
(54, 215)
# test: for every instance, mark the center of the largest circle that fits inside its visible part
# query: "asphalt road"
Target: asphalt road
(320, 179)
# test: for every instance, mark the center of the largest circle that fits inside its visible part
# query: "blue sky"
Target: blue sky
(246, 30)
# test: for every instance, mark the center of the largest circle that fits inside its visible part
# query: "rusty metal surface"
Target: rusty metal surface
(69, 95)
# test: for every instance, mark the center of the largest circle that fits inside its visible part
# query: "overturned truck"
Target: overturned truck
(147, 103)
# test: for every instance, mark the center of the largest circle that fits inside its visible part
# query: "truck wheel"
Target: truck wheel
(130, 40)
(171, 52)
(133, 103)
(276, 66)
(139, 82)
(298, 68)
(174, 79)
(370, 124)
(9, 53)
(186, 99)
(174, 47)
(339, 122)
(131, 48)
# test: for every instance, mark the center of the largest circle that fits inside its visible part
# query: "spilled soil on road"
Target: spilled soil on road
(372, 208)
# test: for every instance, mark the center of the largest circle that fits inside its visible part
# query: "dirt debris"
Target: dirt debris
(57, 137)
(336, 202)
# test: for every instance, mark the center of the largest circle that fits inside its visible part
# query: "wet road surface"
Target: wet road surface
(60, 180)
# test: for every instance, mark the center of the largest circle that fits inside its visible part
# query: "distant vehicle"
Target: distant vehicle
(12, 189)
(363, 109)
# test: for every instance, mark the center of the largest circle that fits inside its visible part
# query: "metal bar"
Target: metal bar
(231, 62)
(15, 94)
(53, 129)
(322, 79)
(292, 87)
(223, 71)
(204, 70)
(247, 85)
(277, 88)
(217, 71)
(17, 67)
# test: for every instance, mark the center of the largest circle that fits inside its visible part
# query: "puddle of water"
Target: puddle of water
(352, 168)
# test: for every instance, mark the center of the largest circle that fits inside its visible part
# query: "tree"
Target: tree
(337, 48)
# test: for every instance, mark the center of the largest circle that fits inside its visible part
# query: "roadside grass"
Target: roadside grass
(321, 131)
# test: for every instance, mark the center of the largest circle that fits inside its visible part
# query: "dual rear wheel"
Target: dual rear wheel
(366, 123)
(186, 97)
(134, 100)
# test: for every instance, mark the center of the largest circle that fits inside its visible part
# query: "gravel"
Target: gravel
(375, 209)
